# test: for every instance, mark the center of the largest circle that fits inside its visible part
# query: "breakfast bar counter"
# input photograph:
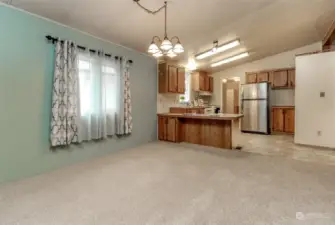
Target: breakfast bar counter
(210, 130)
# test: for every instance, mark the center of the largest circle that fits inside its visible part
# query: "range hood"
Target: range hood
(205, 93)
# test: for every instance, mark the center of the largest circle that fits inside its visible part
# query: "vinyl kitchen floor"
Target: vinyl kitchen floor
(282, 145)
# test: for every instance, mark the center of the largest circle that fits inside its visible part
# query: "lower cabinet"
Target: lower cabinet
(283, 119)
(167, 129)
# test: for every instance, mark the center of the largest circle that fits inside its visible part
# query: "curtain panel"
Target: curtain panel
(65, 96)
(124, 117)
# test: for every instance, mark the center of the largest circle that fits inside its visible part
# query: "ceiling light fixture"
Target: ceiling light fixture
(230, 59)
(191, 65)
(217, 49)
(169, 47)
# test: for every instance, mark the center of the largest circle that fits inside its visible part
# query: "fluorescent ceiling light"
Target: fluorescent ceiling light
(219, 49)
(230, 59)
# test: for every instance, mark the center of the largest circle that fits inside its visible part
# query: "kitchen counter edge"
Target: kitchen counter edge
(202, 116)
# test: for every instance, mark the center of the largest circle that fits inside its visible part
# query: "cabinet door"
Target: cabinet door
(162, 128)
(202, 82)
(172, 77)
(291, 78)
(289, 120)
(210, 84)
(162, 78)
(251, 78)
(181, 80)
(262, 77)
(206, 78)
(280, 79)
(171, 129)
(278, 119)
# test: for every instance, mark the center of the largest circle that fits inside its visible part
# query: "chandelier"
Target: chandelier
(167, 47)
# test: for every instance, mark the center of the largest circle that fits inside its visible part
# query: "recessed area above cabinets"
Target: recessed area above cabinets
(171, 78)
(278, 78)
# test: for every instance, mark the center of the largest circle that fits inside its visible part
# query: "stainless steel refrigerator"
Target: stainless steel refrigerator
(255, 108)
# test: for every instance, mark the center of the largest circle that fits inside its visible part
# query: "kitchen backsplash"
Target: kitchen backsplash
(165, 101)
(282, 97)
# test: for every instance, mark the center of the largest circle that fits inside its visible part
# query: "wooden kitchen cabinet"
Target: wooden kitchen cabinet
(280, 79)
(262, 77)
(283, 119)
(289, 115)
(278, 119)
(167, 129)
(291, 78)
(211, 88)
(202, 82)
(162, 128)
(171, 79)
(251, 78)
(181, 80)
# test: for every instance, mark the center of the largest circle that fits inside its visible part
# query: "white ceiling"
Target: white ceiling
(265, 27)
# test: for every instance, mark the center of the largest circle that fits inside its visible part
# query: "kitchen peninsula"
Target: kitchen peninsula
(210, 130)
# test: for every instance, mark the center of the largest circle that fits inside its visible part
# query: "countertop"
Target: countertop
(190, 107)
(221, 116)
(283, 106)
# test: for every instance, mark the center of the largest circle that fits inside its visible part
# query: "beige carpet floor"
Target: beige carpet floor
(161, 183)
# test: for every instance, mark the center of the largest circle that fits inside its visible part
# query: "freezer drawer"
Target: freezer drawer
(255, 117)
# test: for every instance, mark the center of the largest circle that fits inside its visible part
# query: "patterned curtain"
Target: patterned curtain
(124, 121)
(65, 96)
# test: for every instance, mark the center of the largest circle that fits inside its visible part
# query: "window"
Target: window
(98, 86)
(85, 86)
(185, 98)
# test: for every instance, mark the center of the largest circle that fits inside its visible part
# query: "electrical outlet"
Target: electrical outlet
(319, 133)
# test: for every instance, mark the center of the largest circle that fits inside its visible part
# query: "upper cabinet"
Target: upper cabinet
(251, 78)
(278, 78)
(181, 80)
(262, 77)
(171, 79)
(201, 81)
(291, 78)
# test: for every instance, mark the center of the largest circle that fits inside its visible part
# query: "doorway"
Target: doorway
(230, 95)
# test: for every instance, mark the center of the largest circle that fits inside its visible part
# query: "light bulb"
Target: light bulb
(178, 48)
(153, 48)
(166, 44)
(171, 54)
(158, 54)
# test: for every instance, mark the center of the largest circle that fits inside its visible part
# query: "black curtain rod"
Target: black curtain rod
(54, 40)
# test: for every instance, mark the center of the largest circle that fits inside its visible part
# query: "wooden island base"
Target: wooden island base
(215, 131)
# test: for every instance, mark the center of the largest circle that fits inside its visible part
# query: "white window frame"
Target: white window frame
(185, 98)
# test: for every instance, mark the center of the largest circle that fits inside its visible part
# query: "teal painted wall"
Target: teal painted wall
(26, 61)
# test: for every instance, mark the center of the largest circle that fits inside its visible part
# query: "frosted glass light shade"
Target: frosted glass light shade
(171, 54)
(166, 44)
(158, 54)
(153, 48)
(178, 48)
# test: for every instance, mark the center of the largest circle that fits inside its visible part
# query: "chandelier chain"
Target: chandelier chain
(153, 12)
